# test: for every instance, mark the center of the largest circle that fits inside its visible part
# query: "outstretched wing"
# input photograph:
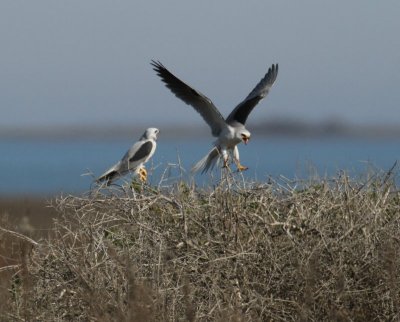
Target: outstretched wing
(190, 96)
(242, 111)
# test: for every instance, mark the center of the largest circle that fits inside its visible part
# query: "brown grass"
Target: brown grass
(325, 250)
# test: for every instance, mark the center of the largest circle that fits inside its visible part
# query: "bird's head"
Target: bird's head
(245, 136)
(151, 133)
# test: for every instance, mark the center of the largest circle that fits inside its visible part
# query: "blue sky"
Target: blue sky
(87, 61)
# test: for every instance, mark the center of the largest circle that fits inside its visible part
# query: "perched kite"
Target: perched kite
(134, 159)
(230, 131)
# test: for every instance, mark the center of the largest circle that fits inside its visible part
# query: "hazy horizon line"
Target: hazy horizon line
(287, 128)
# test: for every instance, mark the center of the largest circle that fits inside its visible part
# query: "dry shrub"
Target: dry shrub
(326, 250)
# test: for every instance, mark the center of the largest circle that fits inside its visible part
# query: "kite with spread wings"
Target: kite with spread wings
(230, 131)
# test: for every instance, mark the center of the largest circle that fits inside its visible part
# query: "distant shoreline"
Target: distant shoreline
(284, 128)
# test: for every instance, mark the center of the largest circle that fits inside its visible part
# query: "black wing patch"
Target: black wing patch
(242, 111)
(143, 152)
(240, 114)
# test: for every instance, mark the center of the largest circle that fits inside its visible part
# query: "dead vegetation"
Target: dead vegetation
(325, 250)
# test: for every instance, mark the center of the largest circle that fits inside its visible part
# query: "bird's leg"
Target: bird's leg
(143, 174)
(241, 167)
(236, 159)
(225, 157)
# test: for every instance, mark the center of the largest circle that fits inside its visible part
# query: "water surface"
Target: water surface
(52, 167)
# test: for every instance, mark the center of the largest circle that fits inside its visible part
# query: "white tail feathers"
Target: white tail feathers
(208, 162)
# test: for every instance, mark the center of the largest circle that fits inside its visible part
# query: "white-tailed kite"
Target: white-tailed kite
(134, 159)
(230, 131)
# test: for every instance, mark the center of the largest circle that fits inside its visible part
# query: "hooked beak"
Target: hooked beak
(245, 139)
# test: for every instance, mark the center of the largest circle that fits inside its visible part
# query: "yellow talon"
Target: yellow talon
(241, 167)
(143, 174)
